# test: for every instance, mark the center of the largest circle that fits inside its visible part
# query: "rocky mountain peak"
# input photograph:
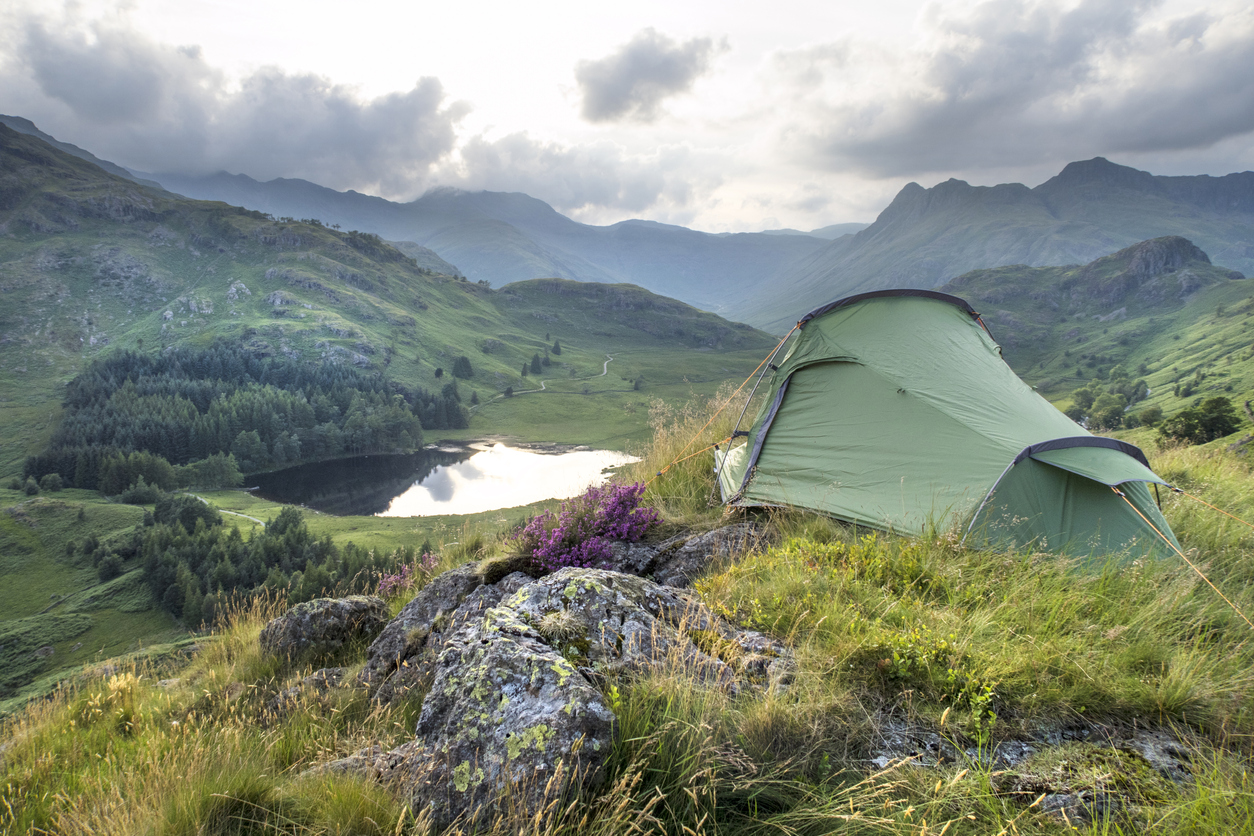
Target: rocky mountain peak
(1099, 171)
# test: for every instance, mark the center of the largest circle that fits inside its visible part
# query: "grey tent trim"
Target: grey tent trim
(896, 292)
(761, 439)
(1057, 444)
(1081, 441)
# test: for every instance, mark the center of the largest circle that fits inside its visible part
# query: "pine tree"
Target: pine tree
(557, 346)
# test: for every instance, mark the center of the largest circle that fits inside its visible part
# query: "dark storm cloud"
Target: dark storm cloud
(163, 108)
(1017, 82)
(632, 83)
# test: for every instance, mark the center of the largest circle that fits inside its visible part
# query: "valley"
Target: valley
(167, 351)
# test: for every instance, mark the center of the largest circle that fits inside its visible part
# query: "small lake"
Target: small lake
(442, 480)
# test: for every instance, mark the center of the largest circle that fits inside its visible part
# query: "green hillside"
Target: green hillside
(1158, 311)
(91, 262)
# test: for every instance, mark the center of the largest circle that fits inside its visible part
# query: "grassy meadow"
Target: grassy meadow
(913, 638)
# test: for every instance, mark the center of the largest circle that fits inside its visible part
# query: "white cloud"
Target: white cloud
(1020, 83)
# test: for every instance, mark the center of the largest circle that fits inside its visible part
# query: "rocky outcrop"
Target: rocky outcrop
(514, 716)
(402, 657)
(511, 669)
(319, 628)
(402, 661)
(679, 560)
(508, 721)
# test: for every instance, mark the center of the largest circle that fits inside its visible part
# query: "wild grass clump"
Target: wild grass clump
(677, 466)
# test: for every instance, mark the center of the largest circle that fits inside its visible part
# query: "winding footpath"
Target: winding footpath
(605, 369)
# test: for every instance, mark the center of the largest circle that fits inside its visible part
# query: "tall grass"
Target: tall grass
(676, 465)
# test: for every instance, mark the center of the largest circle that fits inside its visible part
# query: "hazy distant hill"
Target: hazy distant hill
(927, 236)
(504, 237)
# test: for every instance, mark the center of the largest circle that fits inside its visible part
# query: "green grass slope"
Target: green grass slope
(1159, 310)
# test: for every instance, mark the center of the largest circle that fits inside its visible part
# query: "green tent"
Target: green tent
(895, 410)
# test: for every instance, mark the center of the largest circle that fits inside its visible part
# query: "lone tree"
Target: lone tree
(509, 391)
(546, 362)
(557, 346)
(524, 369)
(439, 372)
(462, 368)
(535, 364)
(474, 398)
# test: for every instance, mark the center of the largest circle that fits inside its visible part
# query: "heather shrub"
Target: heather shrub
(580, 533)
(408, 576)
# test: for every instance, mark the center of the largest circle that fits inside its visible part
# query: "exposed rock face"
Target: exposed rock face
(679, 560)
(406, 635)
(504, 714)
(416, 667)
(512, 715)
(319, 628)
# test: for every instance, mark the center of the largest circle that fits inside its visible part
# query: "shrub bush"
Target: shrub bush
(580, 534)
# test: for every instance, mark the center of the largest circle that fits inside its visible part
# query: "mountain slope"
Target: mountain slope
(91, 261)
(1158, 310)
(927, 236)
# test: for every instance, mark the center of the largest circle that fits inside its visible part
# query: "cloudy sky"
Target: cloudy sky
(719, 115)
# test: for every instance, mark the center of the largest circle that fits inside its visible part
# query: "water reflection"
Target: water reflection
(439, 481)
(357, 486)
(502, 477)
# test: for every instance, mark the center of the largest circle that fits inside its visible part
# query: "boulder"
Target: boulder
(321, 627)
(406, 635)
(513, 718)
(417, 669)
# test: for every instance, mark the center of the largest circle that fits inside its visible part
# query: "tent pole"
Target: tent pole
(719, 469)
(987, 497)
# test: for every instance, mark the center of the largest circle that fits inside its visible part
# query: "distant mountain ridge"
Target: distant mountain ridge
(924, 238)
(503, 237)
(928, 236)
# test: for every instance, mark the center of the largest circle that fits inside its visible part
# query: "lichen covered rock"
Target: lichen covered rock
(508, 722)
(319, 628)
(402, 659)
(513, 716)
(681, 561)
(406, 635)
